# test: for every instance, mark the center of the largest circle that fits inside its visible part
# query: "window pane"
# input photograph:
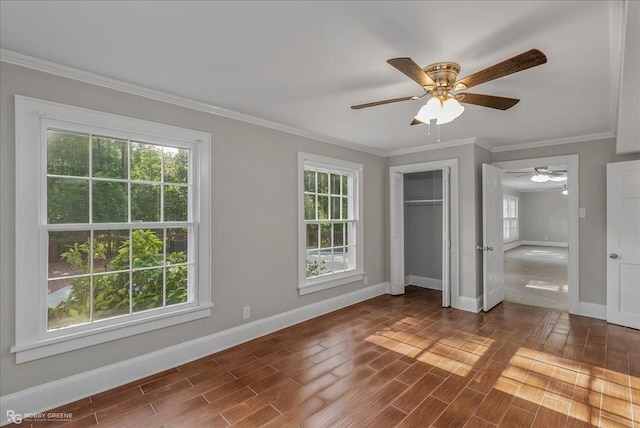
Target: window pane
(145, 202)
(338, 234)
(326, 261)
(146, 162)
(325, 235)
(68, 253)
(323, 182)
(177, 284)
(148, 246)
(309, 181)
(323, 207)
(68, 302)
(340, 261)
(345, 208)
(176, 165)
(335, 207)
(110, 157)
(335, 184)
(505, 227)
(176, 203)
(310, 207)
(314, 266)
(177, 245)
(67, 200)
(147, 290)
(67, 153)
(109, 202)
(312, 236)
(347, 232)
(110, 250)
(110, 295)
(345, 185)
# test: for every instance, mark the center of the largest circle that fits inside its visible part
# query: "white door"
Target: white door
(493, 257)
(623, 243)
(397, 232)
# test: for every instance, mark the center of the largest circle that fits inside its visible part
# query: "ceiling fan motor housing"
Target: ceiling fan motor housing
(443, 73)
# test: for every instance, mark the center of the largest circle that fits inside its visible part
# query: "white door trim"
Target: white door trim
(396, 222)
(573, 268)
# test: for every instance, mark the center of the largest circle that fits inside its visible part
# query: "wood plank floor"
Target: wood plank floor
(397, 361)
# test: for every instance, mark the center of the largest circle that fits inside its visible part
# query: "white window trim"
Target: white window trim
(307, 286)
(32, 340)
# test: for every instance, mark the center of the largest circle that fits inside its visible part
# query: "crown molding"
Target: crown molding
(436, 146)
(49, 67)
(556, 142)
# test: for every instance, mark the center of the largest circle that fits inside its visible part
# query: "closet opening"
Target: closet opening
(423, 218)
(424, 228)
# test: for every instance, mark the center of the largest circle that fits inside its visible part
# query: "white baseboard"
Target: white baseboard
(57, 393)
(593, 310)
(470, 304)
(423, 281)
(510, 245)
(545, 243)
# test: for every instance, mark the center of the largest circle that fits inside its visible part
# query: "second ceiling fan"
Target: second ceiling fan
(440, 79)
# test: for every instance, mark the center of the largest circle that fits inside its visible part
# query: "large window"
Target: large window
(510, 217)
(330, 225)
(112, 227)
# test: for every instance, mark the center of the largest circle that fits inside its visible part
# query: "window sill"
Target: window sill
(334, 281)
(48, 347)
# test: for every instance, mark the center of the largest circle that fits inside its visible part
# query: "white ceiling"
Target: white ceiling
(299, 66)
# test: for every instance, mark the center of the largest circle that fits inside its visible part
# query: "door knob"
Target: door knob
(613, 256)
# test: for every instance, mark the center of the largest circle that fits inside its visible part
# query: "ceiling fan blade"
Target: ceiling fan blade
(500, 103)
(528, 59)
(377, 103)
(417, 122)
(413, 71)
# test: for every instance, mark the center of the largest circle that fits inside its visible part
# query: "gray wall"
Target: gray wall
(254, 257)
(423, 225)
(593, 158)
(543, 216)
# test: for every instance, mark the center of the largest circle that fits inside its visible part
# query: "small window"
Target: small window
(116, 222)
(510, 218)
(330, 223)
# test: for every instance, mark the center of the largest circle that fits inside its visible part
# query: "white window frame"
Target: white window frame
(33, 116)
(323, 282)
(508, 198)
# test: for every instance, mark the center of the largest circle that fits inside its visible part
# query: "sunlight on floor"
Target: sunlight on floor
(568, 387)
(542, 285)
(559, 384)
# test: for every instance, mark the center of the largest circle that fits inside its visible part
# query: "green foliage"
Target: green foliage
(111, 294)
(315, 268)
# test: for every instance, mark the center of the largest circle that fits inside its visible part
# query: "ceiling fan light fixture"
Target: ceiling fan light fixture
(451, 109)
(558, 178)
(565, 192)
(430, 110)
(540, 178)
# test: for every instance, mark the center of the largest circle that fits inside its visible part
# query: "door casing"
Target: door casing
(396, 225)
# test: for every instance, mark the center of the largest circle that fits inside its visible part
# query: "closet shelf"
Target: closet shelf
(422, 201)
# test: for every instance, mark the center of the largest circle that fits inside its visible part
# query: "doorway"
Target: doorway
(542, 255)
(448, 239)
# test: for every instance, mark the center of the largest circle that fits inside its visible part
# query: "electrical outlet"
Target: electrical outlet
(246, 312)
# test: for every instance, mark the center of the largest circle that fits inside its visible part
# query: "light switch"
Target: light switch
(582, 213)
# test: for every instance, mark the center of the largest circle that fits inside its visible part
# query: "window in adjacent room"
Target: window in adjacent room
(112, 227)
(330, 222)
(510, 217)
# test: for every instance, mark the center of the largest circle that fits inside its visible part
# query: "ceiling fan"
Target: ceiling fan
(541, 174)
(439, 80)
